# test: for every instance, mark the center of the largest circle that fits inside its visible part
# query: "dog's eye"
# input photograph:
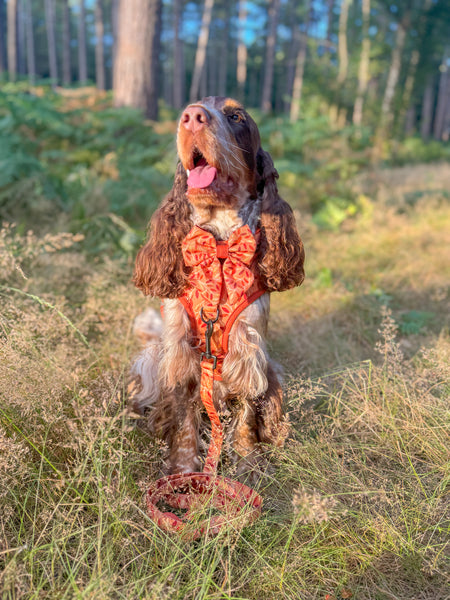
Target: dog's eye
(237, 118)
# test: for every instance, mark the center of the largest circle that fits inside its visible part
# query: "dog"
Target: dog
(224, 186)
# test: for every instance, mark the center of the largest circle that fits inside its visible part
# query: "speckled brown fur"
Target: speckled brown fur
(159, 269)
(281, 253)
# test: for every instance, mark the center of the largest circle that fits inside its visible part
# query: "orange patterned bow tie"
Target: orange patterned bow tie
(202, 252)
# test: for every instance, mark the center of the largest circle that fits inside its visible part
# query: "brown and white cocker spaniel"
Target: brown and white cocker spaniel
(224, 181)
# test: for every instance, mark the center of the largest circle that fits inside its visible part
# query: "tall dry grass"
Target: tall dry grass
(357, 504)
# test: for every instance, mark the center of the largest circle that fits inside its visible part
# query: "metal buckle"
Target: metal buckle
(208, 333)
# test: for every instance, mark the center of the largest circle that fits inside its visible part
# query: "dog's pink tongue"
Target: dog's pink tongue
(202, 176)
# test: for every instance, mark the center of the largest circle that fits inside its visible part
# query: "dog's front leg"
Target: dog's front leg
(184, 432)
(272, 426)
(258, 421)
(179, 361)
(176, 416)
(245, 376)
(244, 441)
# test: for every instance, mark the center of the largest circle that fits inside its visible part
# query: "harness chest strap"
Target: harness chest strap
(223, 282)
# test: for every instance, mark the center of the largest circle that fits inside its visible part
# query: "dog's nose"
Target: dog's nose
(195, 118)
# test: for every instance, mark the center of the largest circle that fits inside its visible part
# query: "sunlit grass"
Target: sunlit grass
(356, 502)
(389, 257)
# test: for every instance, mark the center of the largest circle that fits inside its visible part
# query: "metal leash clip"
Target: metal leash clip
(208, 333)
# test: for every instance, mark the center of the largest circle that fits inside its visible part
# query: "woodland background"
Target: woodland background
(379, 63)
(352, 99)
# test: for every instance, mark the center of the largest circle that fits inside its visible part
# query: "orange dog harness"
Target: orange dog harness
(223, 282)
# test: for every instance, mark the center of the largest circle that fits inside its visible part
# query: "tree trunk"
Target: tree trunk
(137, 59)
(82, 58)
(443, 96)
(410, 120)
(114, 28)
(31, 57)
(300, 69)
(224, 52)
(291, 60)
(51, 42)
(427, 109)
(166, 83)
(342, 45)
(152, 105)
(12, 39)
(394, 72)
(405, 107)
(298, 79)
(253, 86)
(2, 39)
(178, 71)
(200, 55)
(203, 88)
(213, 80)
(21, 68)
(386, 117)
(446, 130)
(329, 22)
(407, 91)
(241, 71)
(67, 76)
(99, 54)
(266, 103)
(363, 73)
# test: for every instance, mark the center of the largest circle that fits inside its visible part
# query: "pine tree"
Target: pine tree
(51, 40)
(67, 76)
(12, 39)
(200, 55)
(266, 103)
(99, 53)
(82, 57)
(137, 58)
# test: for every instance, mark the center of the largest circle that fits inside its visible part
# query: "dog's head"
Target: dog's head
(218, 144)
(221, 164)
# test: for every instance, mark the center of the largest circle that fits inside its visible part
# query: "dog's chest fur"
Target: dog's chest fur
(222, 221)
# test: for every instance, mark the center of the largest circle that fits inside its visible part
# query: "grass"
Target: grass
(357, 503)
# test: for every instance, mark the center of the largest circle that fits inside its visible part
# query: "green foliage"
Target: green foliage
(15, 162)
(333, 213)
(316, 164)
(415, 150)
(324, 278)
(74, 161)
(59, 161)
(415, 321)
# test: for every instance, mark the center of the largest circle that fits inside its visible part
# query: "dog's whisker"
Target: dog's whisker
(239, 148)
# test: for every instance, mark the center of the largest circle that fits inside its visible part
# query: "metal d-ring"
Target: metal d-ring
(208, 334)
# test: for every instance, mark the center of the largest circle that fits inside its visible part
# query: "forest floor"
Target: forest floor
(357, 504)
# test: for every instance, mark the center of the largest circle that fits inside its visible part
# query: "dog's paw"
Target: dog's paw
(253, 469)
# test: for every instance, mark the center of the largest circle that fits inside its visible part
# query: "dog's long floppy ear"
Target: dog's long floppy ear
(159, 269)
(281, 253)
